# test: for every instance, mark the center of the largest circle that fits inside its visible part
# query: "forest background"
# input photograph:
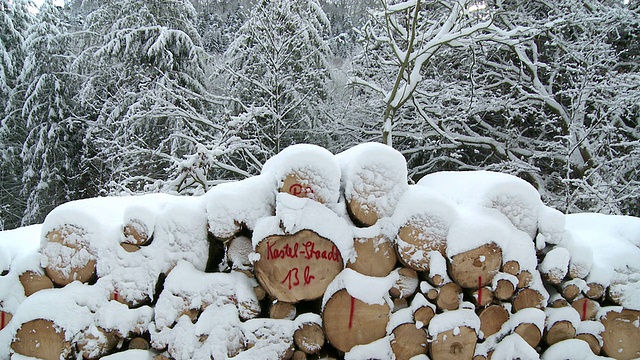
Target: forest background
(112, 97)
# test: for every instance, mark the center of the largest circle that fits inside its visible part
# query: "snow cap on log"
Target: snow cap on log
(234, 205)
(607, 246)
(374, 177)
(449, 320)
(571, 349)
(295, 214)
(514, 347)
(515, 198)
(423, 218)
(378, 349)
(306, 170)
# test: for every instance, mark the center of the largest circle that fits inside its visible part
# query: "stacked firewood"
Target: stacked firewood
(338, 260)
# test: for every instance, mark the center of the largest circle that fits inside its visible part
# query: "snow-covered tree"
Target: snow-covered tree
(15, 18)
(277, 72)
(145, 88)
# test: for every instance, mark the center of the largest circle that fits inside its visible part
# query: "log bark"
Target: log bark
(375, 256)
(348, 321)
(408, 341)
(297, 267)
(413, 239)
(70, 237)
(454, 345)
(530, 333)
(407, 284)
(41, 339)
(492, 318)
(621, 334)
(309, 338)
(476, 268)
(33, 282)
(528, 298)
(449, 297)
(559, 331)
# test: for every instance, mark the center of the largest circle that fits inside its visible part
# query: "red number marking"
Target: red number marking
(307, 275)
(353, 308)
(292, 278)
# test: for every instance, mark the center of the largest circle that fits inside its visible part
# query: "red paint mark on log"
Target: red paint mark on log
(353, 307)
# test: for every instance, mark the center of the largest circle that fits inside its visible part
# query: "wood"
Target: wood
(136, 233)
(130, 247)
(138, 343)
(504, 290)
(450, 346)
(528, 298)
(5, 318)
(33, 282)
(449, 296)
(298, 185)
(596, 291)
(261, 293)
(482, 297)
(299, 355)
(530, 333)
(375, 256)
(362, 213)
(407, 284)
(621, 334)
(309, 338)
(415, 240)
(408, 341)
(429, 292)
(587, 308)
(67, 236)
(593, 342)
(423, 315)
(348, 321)
(559, 331)
(96, 343)
(238, 250)
(297, 267)
(477, 267)
(282, 310)
(569, 291)
(524, 279)
(492, 318)
(511, 267)
(41, 339)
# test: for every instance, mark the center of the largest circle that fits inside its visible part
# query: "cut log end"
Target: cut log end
(530, 333)
(406, 285)
(297, 267)
(454, 345)
(593, 342)
(449, 296)
(492, 318)
(136, 233)
(528, 298)
(477, 267)
(348, 321)
(621, 334)
(376, 256)
(282, 310)
(309, 338)
(41, 339)
(559, 331)
(504, 289)
(298, 185)
(423, 315)
(363, 214)
(33, 282)
(414, 240)
(408, 341)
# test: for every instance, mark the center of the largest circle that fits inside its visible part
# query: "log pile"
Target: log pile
(333, 257)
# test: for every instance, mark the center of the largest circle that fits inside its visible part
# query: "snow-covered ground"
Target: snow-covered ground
(463, 209)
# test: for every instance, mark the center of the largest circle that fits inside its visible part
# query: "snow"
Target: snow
(450, 320)
(368, 289)
(202, 315)
(572, 349)
(316, 168)
(613, 243)
(374, 175)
